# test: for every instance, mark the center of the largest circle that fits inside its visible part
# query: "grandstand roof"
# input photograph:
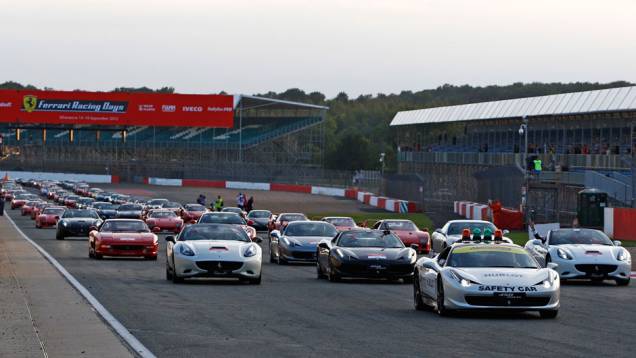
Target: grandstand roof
(255, 102)
(607, 100)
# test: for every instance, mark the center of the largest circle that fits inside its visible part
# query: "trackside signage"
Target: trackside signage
(116, 108)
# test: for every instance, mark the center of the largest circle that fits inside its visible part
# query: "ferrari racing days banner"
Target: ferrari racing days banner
(116, 108)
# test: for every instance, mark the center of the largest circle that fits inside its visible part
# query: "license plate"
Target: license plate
(510, 295)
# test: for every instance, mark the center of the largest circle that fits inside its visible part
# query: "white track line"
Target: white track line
(134, 344)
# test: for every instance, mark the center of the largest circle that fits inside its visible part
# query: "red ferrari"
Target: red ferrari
(37, 209)
(27, 208)
(192, 212)
(49, 216)
(20, 199)
(123, 237)
(342, 223)
(408, 233)
(164, 220)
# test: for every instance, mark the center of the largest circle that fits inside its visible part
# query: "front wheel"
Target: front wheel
(549, 314)
(441, 308)
(417, 296)
(333, 277)
(622, 281)
(319, 273)
(59, 236)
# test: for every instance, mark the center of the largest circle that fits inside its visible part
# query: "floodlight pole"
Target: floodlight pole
(524, 195)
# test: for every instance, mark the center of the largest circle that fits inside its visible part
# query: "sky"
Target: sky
(355, 46)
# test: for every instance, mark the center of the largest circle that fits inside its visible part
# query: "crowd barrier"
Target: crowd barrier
(389, 204)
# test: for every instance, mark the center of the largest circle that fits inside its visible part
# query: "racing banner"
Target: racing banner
(116, 109)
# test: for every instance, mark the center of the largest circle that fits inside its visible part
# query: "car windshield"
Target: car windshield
(194, 207)
(311, 229)
(457, 227)
(400, 225)
(130, 207)
(163, 214)
(105, 206)
(171, 205)
(56, 212)
(233, 210)
(491, 256)
(222, 218)
(579, 236)
(259, 214)
(124, 226)
(23, 196)
(369, 239)
(341, 221)
(213, 232)
(80, 214)
(292, 217)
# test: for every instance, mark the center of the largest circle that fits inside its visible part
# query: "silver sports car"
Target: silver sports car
(487, 275)
(583, 253)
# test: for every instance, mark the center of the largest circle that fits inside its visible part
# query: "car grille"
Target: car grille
(224, 265)
(596, 269)
(493, 301)
(310, 255)
(128, 247)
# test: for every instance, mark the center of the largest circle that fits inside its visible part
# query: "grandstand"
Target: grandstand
(268, 138)
(584, 139)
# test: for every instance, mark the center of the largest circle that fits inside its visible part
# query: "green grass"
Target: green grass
(421, 220)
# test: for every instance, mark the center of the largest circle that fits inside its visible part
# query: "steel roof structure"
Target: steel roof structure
(607, 100)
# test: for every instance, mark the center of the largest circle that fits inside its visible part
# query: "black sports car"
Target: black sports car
(106, 210)
(129, 211)
(259, 219)
(77, 222)
(365, 253)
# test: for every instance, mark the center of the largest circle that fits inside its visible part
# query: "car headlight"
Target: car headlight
(461, 280)
(623, 255)
(63, 223)
(250, 251)
(564, 254)
(185, 250)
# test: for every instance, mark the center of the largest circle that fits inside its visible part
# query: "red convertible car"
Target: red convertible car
(123, 237)
(408, 233)
(192, 212)
(37, 209)
(280, 222)
(27, 208)
(342, 223)
(164, 220)
(49, 216)
(20, 199)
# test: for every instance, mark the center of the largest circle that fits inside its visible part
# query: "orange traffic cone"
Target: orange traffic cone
(6, 177)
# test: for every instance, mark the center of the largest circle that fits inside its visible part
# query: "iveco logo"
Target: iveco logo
(192, 109)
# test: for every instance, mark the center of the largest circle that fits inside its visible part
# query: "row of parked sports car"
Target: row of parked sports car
(472, 264)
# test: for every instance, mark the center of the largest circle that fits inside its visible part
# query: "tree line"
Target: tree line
(357, 129)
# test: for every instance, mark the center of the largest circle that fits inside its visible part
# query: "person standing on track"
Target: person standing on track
(201, 199)
(218, 204)
(250, 204)
(240, 201)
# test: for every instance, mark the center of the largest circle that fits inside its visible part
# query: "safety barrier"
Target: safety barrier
(88, 178)
(619, 223)
(473, 211)
(389, 204)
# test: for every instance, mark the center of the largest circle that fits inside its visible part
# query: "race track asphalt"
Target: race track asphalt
(292, 314)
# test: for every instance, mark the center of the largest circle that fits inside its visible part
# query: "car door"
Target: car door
(324, 252)
(429, 272)
(539, 250)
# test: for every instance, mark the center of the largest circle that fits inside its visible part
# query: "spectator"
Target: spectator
(218, 204)
(250, 204)
(240, 201)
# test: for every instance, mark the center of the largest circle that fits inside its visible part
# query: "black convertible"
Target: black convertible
(365, 253)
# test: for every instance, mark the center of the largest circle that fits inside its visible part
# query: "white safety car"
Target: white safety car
(485, 276)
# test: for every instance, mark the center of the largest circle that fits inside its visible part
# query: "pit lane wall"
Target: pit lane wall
(88, 178)
(388, 204)
(619, 223)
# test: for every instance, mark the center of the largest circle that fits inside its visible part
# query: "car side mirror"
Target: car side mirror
(323, 245)
(552, 265)
(275, 234)
(415, 247)
(156, 229)
(505, 232)
(439, 231)
(170, 239)
(618, 243)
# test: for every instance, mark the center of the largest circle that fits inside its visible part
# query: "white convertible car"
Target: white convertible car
(486, 275)
(583, 253)
(451, 232)
(213, 250)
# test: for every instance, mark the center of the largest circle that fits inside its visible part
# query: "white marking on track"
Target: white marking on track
(119, 328)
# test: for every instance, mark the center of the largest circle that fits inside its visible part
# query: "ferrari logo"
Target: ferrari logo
(29, 102)
(219, 266)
